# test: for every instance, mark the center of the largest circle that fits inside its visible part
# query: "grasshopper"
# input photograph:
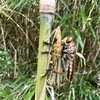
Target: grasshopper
(64, 50)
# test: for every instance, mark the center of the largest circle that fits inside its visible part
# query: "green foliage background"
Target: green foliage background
(19, 34)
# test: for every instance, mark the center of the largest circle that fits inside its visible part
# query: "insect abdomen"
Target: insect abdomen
(68, 59)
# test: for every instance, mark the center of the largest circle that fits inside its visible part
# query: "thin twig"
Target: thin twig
(51, 92)
(15, 60)
(4, 42)
(96, 54)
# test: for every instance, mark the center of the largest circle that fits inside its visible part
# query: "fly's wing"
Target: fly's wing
(69, 54)
(69, 70)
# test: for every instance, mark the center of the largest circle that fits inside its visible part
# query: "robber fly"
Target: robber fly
(68, 55)
(66, 50)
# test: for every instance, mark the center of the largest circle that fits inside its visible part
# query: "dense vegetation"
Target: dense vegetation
(19, 34)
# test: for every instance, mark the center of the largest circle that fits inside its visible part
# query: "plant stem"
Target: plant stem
(45, 28)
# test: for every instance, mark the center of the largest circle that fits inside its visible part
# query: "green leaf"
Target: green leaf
(92, 30)
(58, 15)
(73, 92)
(30, 95)
(79, 39)
(84, 17)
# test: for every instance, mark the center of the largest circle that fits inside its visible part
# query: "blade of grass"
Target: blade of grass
(73, 92)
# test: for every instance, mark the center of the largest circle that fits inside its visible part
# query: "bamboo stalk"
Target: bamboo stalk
(45, 27)
(46, 16)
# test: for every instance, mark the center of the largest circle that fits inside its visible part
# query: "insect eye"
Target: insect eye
(69, 40)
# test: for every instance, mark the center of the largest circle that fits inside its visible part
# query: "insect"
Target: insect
(68, 55)
(65, 50)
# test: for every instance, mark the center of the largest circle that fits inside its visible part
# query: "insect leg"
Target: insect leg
(47, 71)
(63, 63)
(57, 71)
(68, 55)
(47, 43)
(45, 52)
(53, 70)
